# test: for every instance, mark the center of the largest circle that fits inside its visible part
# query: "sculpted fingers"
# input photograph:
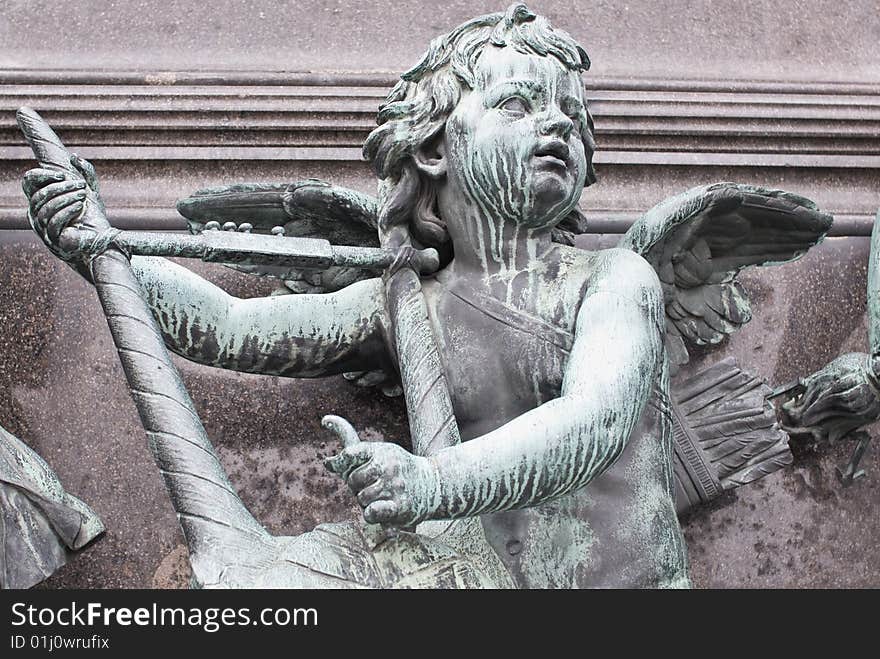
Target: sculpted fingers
(37, 178)
(364, 476)
(375, 492)
(343, 429)
(54, 190)
(381, 512)
(49, 209)
(87, 170)
(393, 486)
(349, 459)
(62, 219)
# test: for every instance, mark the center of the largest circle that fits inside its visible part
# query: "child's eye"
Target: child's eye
(514, 105)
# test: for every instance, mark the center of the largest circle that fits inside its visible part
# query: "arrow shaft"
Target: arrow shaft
(243, 248)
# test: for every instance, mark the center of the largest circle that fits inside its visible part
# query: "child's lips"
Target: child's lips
(553, 154)
(552, 162)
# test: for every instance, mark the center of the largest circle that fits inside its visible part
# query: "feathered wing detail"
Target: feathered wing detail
(725, 433)
(309, 209)
(39, 522)
(699, 240)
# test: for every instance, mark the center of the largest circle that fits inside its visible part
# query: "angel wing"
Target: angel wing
(309, 209)
(725, 431)
(698, 241)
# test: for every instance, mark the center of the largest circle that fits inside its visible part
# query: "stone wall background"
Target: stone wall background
(168, 97)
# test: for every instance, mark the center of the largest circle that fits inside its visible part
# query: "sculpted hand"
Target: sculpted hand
(58, 199)
(393, 486)
(836, 400)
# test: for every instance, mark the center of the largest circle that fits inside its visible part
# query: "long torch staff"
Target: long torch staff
(212, 516)
(165, 407)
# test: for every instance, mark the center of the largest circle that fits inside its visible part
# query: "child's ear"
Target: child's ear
(430, 158)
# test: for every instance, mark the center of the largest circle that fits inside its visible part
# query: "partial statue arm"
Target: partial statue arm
(844, 396)
(565, 443)
(289, 335)
(303, 336)
(40, 523)
(551, 450)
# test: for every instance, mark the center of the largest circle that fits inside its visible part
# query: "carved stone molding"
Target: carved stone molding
(272, 121)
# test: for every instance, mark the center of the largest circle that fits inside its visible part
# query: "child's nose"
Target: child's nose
(556, 122)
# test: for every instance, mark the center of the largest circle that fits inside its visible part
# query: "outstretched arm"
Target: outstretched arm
(551, 450)
(289, 335)
(293, 335)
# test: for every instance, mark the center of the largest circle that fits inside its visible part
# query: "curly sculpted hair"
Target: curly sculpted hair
(415, 113)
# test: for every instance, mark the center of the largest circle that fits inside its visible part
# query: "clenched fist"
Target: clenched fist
(836, 400)
(59, 199)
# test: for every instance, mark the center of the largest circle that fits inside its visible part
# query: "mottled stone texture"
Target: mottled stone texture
(811, 40)
(63, 391)
(798, 527)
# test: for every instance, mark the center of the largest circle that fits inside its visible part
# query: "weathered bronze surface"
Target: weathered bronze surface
(550, 448)
(839, 400)
(40, 523)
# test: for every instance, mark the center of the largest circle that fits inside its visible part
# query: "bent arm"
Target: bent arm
(565, 443)
(289, 335)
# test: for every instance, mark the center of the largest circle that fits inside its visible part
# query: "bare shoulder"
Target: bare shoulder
(626, 273)
(614, 270)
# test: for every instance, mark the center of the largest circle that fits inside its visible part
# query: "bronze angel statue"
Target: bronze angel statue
(550, 445)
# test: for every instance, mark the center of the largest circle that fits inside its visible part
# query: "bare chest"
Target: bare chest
(500, 361)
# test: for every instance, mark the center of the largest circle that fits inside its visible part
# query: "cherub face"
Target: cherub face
(514, 140)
